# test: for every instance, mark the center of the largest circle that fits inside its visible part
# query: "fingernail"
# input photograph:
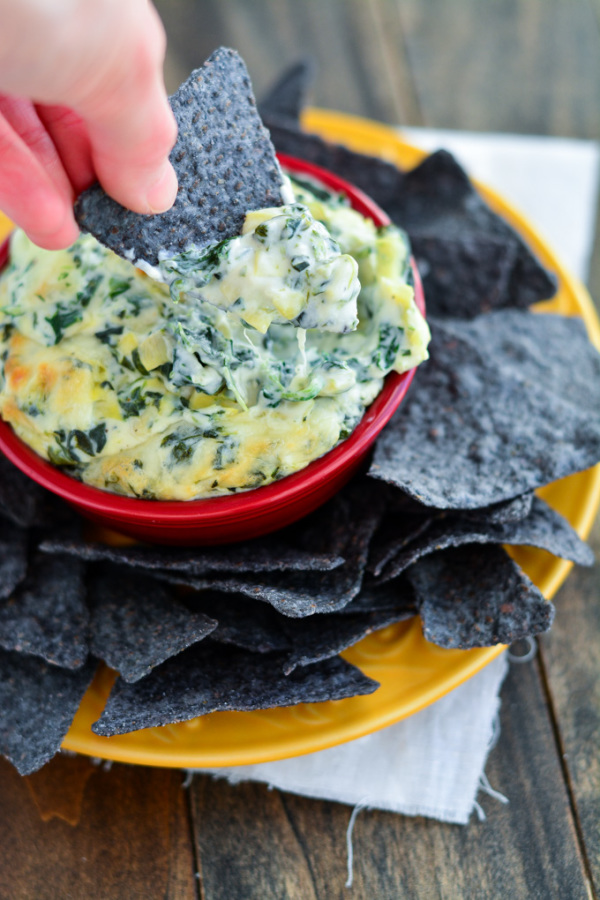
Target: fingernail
(161, 195)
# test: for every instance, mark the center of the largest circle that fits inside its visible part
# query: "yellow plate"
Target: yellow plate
(412, 672)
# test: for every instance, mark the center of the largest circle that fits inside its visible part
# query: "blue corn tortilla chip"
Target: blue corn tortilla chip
(543, 528)
(256, 627)
(466, 274)
(507, 511)
(399, 503)
(38, 702)
(286, 98)
(21, 499)
(354, 515)
(137, 623)
(47, 616)
(376, 177)
(397, 595)
(450, 224)
(321, 637)
(225, 164)
(476, 597)
(506, 403)
(398, 529)
(13, 557)
(253, 626)
(290, 550)
(211, 677)
(406, 520)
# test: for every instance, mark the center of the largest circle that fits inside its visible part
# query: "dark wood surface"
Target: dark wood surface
(81, 830)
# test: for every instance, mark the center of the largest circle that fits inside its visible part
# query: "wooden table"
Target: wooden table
(78, 830)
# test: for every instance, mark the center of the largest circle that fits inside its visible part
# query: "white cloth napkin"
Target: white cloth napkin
(432, 764)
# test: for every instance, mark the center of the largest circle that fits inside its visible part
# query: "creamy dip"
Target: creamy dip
(277, 341)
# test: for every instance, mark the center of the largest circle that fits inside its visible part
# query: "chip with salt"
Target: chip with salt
(543, 528)
(474, 261)
(355, 514)
(137, 623)
(38, 702)
(225, 165)
(47, 615)
(13, 557)
(506, 403)
(286, 98)
(321, 637)
(211, 677)
(476, 597)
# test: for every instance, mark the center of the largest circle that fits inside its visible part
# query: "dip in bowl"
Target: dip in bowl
(252, 415)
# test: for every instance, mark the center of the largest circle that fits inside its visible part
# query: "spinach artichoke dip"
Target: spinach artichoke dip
(254, 356)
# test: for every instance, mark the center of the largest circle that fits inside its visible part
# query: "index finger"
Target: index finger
(131, 126)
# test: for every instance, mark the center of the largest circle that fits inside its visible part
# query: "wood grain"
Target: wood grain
(357, 45)
(530, 66)
(571, 654)
(130, 840)
(258, 844)
(246, 845)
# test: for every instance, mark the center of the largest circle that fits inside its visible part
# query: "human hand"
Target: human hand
(82, 99)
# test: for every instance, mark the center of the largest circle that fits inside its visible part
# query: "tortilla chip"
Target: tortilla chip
(464, 275)
(543, 528)
(211, 677)
(253, 626)
(508, 511)
(137, 623)
(355, 514)
(397, 595)
(47, 616)
(21, 499)
(13, 558)
(506, 403)
(450, 225)
(225, 164)
(38, 703)
(275, 553)
(286, 98)
(477, 597)
(400, 504)
(321, 637)
(407, 520)
(470, 260)
(398, 530)
(377, 178)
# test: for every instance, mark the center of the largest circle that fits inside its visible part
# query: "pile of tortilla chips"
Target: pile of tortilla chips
(509, 401)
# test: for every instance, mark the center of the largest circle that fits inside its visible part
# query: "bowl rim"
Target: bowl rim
(245, 503)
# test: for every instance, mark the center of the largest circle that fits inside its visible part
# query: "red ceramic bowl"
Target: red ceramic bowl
(250, 513)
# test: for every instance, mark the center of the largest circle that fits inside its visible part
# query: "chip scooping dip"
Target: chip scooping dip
(234, 362)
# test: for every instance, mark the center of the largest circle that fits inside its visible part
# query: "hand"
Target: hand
(82, 99)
